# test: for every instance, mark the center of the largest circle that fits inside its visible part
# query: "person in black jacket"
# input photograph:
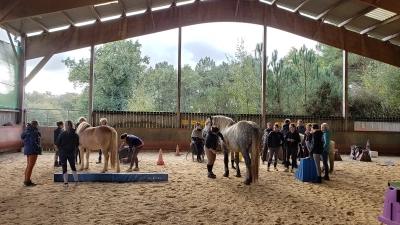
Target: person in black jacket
(292, 140)
(211, 148)
(265, 142)
(307, 144)
(275, 142)
(301, 129)
(32, 149)
(317, 149)
(284, 131)
(60, 126)
(66, 142)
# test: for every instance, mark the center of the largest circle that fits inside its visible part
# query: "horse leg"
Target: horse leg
(80, 155)
(226, 162)
(247, 161)
(87, 159)
(106, 158)
(237, 164)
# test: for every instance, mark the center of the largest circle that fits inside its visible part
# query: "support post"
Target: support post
(178, 107)
(91, 85)
(21, 77)
(345, 90)
(264, 79)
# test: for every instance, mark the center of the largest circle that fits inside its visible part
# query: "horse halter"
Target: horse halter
(211, 123)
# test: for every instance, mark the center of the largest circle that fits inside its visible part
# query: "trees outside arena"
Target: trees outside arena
(303, 82)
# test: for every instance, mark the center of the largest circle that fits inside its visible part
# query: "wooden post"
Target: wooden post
(178, 107)
(91, 85)
(345, 107)
(21, 77)
(264, 80)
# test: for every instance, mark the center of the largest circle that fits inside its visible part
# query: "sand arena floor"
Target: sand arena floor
(355, 195)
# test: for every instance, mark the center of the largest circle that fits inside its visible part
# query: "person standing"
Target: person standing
(60, 126)
(265, 143)
(32, 149)
(301, 129)
(135, 145)
(292, 141)
(317, 149)
(284, 131)
(66, 142)
(211, 148)
(77, 153)
(325, 154)
(307, 144)
(103, 122)
(198, 140)
(274, 143)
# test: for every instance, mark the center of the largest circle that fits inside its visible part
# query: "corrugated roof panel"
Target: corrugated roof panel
(289, 4)
(113, 9)
(386, 30)
(267, 1)
(25, 26)
(80, 15)
(380, 14)
(395, 41)
(135, 5)
(314, 8)
(52, 20)
(159, 3)
(345, 11)
(361, 23)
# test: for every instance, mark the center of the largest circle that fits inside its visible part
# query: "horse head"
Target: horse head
(207, 126)
(82, 126)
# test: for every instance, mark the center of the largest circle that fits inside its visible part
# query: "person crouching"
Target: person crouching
(66, 142)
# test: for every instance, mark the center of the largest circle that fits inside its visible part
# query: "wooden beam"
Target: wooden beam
(380, 24)
(91, 84)
(98, 18)
(21, 76)
(19, 8)
(345, 96)
(237, 7)
(179, 79)
(11, 29)
(67, 18)
(264, 80)
(151, 14)
(121, 4)
(13, 46)
(39, 23)
(357, 15)
(54, 48)
(253, 12)
(391, 36)
(389, 5)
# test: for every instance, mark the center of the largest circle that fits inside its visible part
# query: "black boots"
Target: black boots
(318, 181)
(326, 177)
(210, 173)
(233, 164)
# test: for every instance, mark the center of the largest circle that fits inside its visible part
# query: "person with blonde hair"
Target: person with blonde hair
(66, 142)
(32, 149)
(103, 122)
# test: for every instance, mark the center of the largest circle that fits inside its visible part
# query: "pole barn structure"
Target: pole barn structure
(368, 28)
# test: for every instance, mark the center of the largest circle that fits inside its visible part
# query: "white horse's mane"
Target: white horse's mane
(222, 121)
(82, 126)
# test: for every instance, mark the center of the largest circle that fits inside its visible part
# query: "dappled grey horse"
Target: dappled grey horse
(244, 137)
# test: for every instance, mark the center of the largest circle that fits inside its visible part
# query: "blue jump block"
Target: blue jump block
(114, 177)
(307, 171)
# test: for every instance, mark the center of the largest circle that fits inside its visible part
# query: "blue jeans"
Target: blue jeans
(325, 156)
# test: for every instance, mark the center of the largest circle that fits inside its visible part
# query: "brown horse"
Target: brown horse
(94, 138)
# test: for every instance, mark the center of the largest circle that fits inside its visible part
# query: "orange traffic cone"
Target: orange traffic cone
(160, 158)
(177, 151)
(367, 147)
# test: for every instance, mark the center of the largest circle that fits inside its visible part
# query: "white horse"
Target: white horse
(244, 137)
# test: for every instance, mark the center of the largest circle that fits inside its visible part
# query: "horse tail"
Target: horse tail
(255, 154)
(114, 150)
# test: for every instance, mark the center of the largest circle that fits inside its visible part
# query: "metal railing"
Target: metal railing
(49, 117)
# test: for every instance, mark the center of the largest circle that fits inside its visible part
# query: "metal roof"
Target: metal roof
(354, 15)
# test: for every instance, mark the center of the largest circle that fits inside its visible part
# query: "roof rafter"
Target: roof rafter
(121, 4)
(18, 10)
(301, 5)
(98, 18)
(387, 38)
(67, 18)
(39, 23)
(253, 12)
(392, 6)
(380, 24)
(357, 15)
(11, 29)
(326, 12)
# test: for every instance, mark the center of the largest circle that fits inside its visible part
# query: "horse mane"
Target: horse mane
(82, 126)
(223, 121)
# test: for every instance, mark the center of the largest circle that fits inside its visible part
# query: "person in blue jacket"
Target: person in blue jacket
(32, 149)
(325, 154)
(66, 143)
(135, 145)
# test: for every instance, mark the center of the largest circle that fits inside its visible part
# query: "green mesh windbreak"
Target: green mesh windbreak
(8, 77)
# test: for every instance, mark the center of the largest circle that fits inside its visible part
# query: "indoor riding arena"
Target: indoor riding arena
(170, 186)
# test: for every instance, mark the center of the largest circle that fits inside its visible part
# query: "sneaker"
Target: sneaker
(29, 183)
(211, 175)
(136, 169)
(286, 170)
(276, 169)
(268, 169)
(129, 170)
(65, 185)
(98, 162)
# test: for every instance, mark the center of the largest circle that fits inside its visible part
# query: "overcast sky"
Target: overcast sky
(215, 40)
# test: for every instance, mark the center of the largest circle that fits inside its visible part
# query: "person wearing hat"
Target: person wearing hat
(198, 140)
(284, 131)
(317, 149)
(57, 132)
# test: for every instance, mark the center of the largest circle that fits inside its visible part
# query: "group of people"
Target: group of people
(66, 142)
(314, 146)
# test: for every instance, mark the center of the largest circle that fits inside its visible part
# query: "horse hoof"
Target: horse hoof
(238, 175)
(226, 174)
(247, 182)
(102, 172)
